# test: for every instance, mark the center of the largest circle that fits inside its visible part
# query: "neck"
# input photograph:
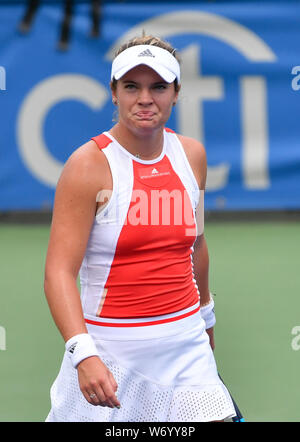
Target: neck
(146, 145)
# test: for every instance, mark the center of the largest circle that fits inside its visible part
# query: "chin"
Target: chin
(149, 124)
(146, 125)
(147, 129)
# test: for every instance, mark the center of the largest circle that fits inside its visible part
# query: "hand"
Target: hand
(210, 332)
(97, 383)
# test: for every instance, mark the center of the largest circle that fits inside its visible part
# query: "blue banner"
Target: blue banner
(240, 95)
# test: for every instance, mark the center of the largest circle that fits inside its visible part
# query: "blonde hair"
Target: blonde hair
(148, 40)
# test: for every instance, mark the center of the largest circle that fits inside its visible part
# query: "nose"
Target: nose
(145, 97)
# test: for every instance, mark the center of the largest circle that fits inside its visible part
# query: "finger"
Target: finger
(94, 398)
(107, 403)
(110, 394)
(98, 396)
(112, 381)
(89, 397)
(94, 395)
(101, 398)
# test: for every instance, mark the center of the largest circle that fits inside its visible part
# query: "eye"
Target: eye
(130, 86)
(160, 86)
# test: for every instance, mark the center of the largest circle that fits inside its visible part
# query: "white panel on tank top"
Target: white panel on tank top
(181, 166)
(106, 230)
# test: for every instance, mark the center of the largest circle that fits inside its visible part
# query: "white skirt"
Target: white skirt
(165, 373)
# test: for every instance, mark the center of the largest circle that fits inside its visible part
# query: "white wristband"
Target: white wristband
(208, 314)
(80, 347)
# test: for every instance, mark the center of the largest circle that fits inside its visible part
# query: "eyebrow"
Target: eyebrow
(136, 82)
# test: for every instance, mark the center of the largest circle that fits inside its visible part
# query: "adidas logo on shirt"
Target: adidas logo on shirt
(154, 171)
(146, 53)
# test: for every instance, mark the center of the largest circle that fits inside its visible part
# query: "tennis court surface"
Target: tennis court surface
(254, 271)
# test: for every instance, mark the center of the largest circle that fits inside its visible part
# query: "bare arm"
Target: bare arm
(201, 268)
(73, 216)
(201, 273)
(197, 158)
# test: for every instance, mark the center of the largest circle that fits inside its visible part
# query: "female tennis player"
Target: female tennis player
(128, 216)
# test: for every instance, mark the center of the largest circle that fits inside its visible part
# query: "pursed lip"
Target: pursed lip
(145, 114)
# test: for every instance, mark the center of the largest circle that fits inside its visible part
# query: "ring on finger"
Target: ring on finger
(93, 396)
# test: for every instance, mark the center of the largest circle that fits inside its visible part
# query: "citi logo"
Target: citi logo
(146, 53)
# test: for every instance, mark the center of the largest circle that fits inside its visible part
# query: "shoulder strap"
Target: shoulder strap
(169, 130)
(102, 141)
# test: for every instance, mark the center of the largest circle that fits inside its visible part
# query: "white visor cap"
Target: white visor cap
(158, 59)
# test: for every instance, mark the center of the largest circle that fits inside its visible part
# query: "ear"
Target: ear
(176, 94)
(113, 88)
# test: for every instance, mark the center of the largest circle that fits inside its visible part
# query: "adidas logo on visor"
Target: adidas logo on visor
(146, 53)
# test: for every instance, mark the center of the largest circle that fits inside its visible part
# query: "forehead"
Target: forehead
(142, 72)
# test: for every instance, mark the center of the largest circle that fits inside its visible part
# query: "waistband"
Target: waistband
(145, 328)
